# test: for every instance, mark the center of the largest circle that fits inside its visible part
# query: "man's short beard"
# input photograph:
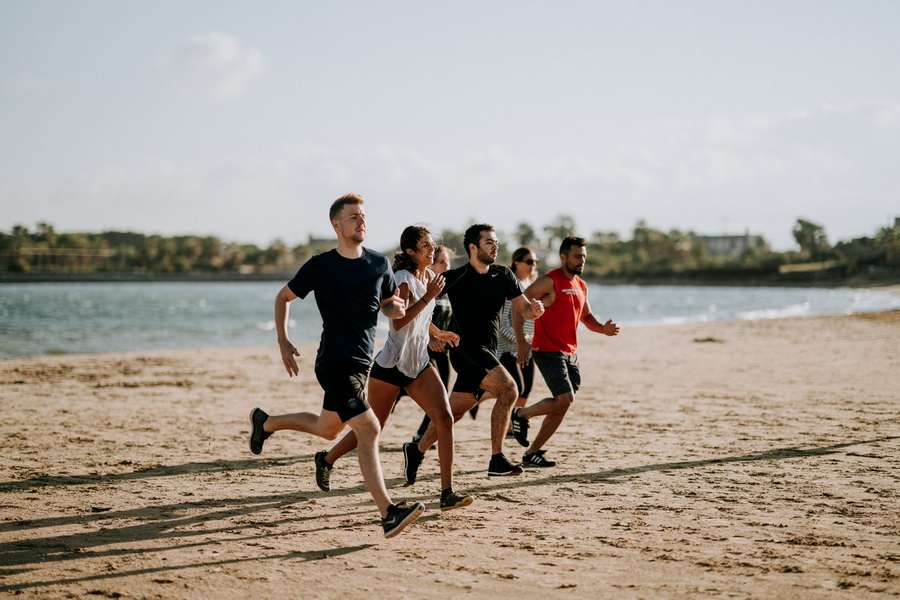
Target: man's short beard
(485, 258)
(578, 269)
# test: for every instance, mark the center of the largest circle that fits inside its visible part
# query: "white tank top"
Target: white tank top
(407, 348)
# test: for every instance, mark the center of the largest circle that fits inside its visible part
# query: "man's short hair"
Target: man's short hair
(569, 241)
(473, 234)
(341, 202)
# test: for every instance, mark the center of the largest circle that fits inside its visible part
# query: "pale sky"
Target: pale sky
(246, 121)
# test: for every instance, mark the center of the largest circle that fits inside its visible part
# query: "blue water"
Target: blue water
(64, 318)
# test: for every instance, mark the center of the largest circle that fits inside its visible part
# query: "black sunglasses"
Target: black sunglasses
(530, 262)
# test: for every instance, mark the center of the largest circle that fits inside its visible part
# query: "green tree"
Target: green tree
(562, 226)
(525, 235)
(811, 238)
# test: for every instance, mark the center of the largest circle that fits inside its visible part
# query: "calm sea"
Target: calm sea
(62, 318)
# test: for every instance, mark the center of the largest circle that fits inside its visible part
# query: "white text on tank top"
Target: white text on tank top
(407, 348)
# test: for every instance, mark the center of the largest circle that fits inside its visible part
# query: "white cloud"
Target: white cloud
(220, 60)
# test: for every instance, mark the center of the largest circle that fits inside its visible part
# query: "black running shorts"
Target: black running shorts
(393, 375)
(345, 389)
(523, 376)
(471, 366)
(560, 371)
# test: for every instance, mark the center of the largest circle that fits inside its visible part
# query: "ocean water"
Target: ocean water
(63, 318)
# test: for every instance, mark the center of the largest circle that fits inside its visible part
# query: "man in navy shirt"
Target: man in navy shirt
(351, 285)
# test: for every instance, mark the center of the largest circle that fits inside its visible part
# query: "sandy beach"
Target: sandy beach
(740, 459)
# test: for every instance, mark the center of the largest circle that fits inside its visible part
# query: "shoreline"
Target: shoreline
(889, 315)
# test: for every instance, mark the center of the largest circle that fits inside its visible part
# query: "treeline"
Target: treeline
(45, 250)
(649, 254)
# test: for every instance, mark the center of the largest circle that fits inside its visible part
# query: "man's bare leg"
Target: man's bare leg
(381, 396)
(554, 411)
(499, 383)
(367, 429)
(326, 425)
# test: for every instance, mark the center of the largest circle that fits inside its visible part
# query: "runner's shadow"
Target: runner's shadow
(612, 474)
(164, 523)
(306, 555)
(192, 468)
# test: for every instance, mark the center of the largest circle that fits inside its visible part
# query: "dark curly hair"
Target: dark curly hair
(409, 240)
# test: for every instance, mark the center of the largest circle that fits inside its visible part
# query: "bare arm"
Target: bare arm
(448, 337)
(435, 286)
(540, 290)
(288, 351)
(591, 322)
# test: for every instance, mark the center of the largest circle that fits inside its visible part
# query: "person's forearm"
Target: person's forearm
(518, 324)
(593, 324)
(411, 312)
(282, 310)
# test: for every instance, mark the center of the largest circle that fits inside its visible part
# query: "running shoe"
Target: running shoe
(258, 435)
(537, 459)
(323, 471)
(501, 467)
(412, 458)
(400, 516)
(519, 426)
(451, 500)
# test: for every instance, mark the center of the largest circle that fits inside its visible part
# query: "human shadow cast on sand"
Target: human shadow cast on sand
(304, 555)
(191, 468)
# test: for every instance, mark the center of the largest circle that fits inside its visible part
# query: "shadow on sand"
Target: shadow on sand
(164, 523)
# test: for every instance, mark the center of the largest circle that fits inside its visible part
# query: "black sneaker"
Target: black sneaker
(323, 471)
(412, 458)
(451, 500)
(257, 434)
(400, 516)
(501, 467)
(519, 427)
(537, 459)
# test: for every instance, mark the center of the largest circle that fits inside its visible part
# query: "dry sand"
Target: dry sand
(762, 462)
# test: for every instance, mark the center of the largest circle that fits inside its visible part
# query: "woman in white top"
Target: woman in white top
(403, 363)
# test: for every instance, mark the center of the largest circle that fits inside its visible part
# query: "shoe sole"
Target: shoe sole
(252, 427)
(406, 469)
(462, 504)
(326, 488)
(406, 522)
(504, 473)
(527, 466)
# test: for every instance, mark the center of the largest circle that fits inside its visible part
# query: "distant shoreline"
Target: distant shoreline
(773, 281)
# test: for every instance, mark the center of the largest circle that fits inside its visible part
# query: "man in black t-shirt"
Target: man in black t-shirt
(351, 285)
(477, 292)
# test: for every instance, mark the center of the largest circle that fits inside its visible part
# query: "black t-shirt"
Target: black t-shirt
(477, 301)
(348, 293)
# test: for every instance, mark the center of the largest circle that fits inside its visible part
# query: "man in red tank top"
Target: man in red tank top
(565, 296)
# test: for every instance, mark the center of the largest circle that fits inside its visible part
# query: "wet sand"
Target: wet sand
(743, 459)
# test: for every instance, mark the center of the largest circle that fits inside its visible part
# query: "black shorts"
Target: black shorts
(523, 376)
(345, 389)
(393, 375)
(560, 371)
(471, 366)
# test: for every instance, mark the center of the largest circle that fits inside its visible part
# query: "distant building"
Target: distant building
(730, 245)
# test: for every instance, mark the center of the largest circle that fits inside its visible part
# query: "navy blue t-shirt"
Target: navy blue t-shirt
(348, 293)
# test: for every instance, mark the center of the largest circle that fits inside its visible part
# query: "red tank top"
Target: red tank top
(555, 330)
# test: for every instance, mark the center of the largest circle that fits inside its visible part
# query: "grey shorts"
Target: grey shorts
(560, 371)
